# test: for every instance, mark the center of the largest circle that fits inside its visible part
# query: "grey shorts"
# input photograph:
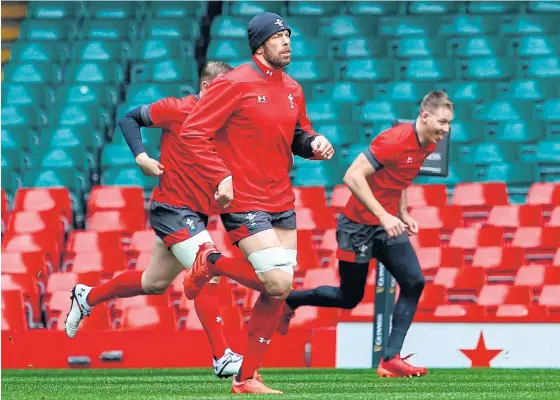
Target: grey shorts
(360, 243)
(242, 225)
(175, 224)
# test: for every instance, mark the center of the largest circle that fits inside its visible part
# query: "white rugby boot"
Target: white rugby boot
(79, 309)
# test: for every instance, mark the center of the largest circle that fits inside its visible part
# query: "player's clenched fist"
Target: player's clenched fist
(149, 166)
(392, 225)
(322, 148)
(224, 194)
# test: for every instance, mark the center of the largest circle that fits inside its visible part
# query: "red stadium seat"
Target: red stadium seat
(13, 311)
(45, 199)
(556, 261)
(31, 222)
(459, 310)
(321, 276)
(426, 238)
(519, 295)
(432, 258)
(65, 281)
(480, 196)
(160, 301)
(432, 297)
(310, 197)
(148, 318)
(143, 261)
(555, 217)
(499, 260)
(26, 264)
(42, 241)
(550, 296)
(318, 317)
(126, 199)
(176, 289)
(492, 295)
(446, 218)
(4, 203)
(58, 305)
(339, 197)
(471, 238)
(28, 287)
(306, 255)
(103, 263)
(116, 221)
(446, 276)
(540, 243)
(329, 243)
(545, 194)
(426, 196)
(80, 241)
(512, 217)
(317, 220)
(552, 276)
(468, 283)
(142, 241)
(530, 275)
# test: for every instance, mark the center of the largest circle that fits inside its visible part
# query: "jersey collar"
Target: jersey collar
(270, 74)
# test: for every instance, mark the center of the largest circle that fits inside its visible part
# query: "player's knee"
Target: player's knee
(157, 287)
(280, 286)
(416, 285)
(351, 300)
(276, 268)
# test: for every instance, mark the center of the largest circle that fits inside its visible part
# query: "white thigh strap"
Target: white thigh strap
(186, 250)
(272, 258)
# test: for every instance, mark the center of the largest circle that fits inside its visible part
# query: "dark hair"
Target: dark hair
(436, 99)
(214, 68)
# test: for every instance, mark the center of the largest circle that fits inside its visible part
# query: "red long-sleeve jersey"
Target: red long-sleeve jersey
(244, 126)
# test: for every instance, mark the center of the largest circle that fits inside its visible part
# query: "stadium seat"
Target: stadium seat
(317, 219)
(532, 276)
(14, 11)
(65, 281)
(519, 295)
(128, 177)
(514, 216)
(126, 199)
(433, 7)
(187, 28)
(57, 306)
(445, 276)
(13, 312)
(425, 69)
(477, 47)
(480, 196)
(543, 7)
(339, 197)
(54, 10)
(535, 46)
(310, 71)
(148, 318)
(174, 9)
(18, 139)
(142, 241)
(468, 92)
(15, 116)
(115, 221)
(358, 47)
(467, 132)
(23, 222)
(545, 194)
(498, 260)
(528, 25)
(310, 197)
(126, 303)
(113, 11)
(540, 68)
(341, 92)
(467, 25)
(303, 48)
(6, 55)
(417, 47)
(512, 174)
(44, 30)
(80, 241)
(27, 286)
(326, 111)
(31, 73)
(313, 8)
(249, 9)
(401, 92)
(545, 238)
(512, 132)
(555, 217)
(471, 238)
(488, 153)
(468, 283)
(160, 49)
(105, 264)
(116, 156)
(89, 72)
(494, 7)
(86, 94)
(227, 27)
(446, 218)
(100, 50)
(372, 8)
(21, 95)
(228, 49)
(150, 92)
(549, 110)
(69, 179)
(338, 135)
(52, 199)
(164, 71)
(486, 68)
(341, 26)
(32, 263)
(493, 295)
(365, 70)
(63, 158)
(39, 51)
(107, 30)
(374, 111)
(550, 296)
(41, 241)
(399, 26)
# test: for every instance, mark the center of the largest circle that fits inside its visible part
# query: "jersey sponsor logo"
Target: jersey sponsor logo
(434, 157)
(291, 99)
(261, 100)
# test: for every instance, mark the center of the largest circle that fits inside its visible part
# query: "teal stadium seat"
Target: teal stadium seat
(22, 95)
(226, 27)
(365, 70)
(116, 156)
(542, 68)
(535, 46)
(527, 90)
(467, 93)
(418, 47)
(151, 137)
(341, 26)
(114, 10)
(176, 9)
(374, 111)
(42, 10)
(301, 26)
(23, 51)
(407, 26)
(486, 68)
(180, 71)
(11, 181)
(75, 115)
(187, 28)
(488, 153)
(346, 157)
(146, 93)
(310, 71)
(13, 160)
(328, 112)
(327, 177)
(100, 50)
(128, 177)
(478, 47)
(502, 111)
(20, 139)
(429, 69)
(160, 49)
(458, 173)
(107, 30)
(371, 8)
(548, 152)
(543, 7)
(528, 25)
(359, 47)
(493, 7)
(30, 73)
(433, 7)
(251, 8)
(549, 110)
(513, 132)
(90, 72)
(68, 178)
(228, 49)
(84, 138)
(313, 8)
(338, 134)
(467, 25)
(86, 94)
(512, 174)
(401, 92)
(40, 30)
(466, 132)
(22, 116)
(303, 48)
(69, 158)
(342, 92)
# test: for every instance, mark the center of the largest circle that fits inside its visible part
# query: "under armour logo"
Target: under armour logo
(82, 291)
(279, 22)
(268, 72)
(261, 99)
(263, 340)
(219, 319)
(409, 160)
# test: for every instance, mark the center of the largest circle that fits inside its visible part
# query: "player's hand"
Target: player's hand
(224, 194)
(411, 224)
(322, 148)
(149, 166)
(392, 225)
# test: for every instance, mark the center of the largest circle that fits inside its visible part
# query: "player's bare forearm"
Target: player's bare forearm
(403, 205)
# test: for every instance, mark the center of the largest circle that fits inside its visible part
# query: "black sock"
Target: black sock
(212, 258)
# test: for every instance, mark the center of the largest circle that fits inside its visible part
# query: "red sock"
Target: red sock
(240, 270)
(127, 284)
(207, 308)
(263, 323)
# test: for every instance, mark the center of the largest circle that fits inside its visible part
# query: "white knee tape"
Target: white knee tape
(186, 250)
(293, 256)
(272, 258)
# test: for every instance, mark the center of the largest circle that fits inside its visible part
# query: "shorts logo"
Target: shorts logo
(261, 100)
(190, 224)
(251, 219)
(363, 248)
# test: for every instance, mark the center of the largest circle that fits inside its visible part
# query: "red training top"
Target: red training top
(397, 156)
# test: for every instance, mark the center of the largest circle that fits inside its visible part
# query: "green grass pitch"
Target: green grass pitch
(140, 384)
